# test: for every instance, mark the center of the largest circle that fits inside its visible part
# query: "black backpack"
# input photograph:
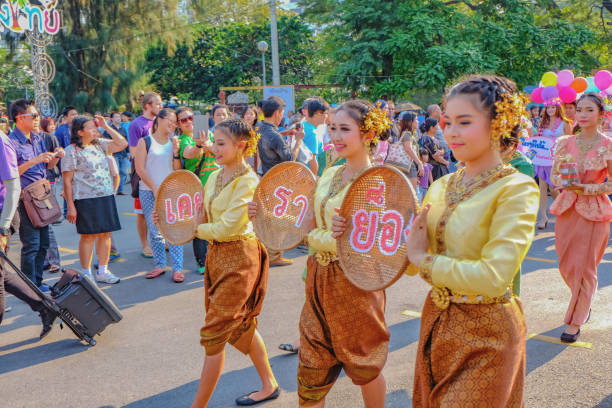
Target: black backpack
(135, 180)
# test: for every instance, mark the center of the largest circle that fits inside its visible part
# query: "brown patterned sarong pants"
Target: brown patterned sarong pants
(235, 283)
(341, 326)
(471, 356)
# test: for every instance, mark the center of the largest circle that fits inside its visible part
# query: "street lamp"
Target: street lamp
(263, 47)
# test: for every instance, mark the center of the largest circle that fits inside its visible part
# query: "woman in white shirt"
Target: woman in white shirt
(153, 164)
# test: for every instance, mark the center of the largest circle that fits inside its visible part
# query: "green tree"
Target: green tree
(15, 75)
(227, 55)
(399, 48)
(98, 53)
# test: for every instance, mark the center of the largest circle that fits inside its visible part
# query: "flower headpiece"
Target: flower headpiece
(377, 121)
(553, 102)
(251, 146)
(509, 111)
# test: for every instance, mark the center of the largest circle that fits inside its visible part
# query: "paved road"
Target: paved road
(152, 359)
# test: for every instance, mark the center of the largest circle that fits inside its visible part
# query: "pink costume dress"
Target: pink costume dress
(582, 228)
(543, 172)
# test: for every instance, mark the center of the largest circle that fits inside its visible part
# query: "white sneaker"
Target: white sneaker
(107, 277)
(88, 274)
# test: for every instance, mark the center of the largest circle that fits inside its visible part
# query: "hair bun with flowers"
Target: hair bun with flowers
(377, 121)
(509, 111)
(251, 147)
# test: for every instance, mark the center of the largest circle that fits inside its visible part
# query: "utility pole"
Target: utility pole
(274, 38)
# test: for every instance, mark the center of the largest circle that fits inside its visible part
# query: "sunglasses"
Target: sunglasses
(187, 119)
(33, 115)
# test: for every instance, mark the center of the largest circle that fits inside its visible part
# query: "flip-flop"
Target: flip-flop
(246, 400)
(289, 348)
(148, 254)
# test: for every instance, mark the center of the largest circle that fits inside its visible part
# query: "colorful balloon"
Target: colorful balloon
(550, 92)
(549, 79)
(580, 84)
(592, 87)
(536, 95)
(603, 79)
(567, 94)
(565, 78)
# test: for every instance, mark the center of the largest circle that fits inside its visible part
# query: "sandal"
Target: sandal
(570, 338)
(147, 253)
(289, 348)
(247, 400)
(155, 273)
(178, 276)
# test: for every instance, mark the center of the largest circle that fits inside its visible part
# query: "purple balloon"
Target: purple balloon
(565, 78)
(603, 79)
(550, 92)
(567, 94)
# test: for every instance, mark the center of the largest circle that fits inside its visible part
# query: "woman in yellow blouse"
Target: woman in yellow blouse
(472, 341)
(341, 326)
(236, 265)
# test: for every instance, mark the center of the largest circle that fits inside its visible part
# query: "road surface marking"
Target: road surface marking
(531, 258)
(549, 339)
(411, 313)
(129, 213)
(68, 250)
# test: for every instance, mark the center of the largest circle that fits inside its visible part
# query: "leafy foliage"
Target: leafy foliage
(228, 56)
(393, 47)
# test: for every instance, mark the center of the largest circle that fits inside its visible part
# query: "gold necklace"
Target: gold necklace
(585, 147)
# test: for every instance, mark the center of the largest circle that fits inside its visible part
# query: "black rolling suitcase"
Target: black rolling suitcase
(78, 301)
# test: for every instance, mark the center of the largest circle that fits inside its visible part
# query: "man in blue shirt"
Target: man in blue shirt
(315, 110)
(33, 161)
(63, 131)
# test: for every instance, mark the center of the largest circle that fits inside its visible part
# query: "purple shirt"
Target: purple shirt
(26, 150)
(139, 128)
(8, 165)
(424, 180)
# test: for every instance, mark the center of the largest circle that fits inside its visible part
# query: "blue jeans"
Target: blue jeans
(53, 256)
(124, 165)
(35, 243)
(147, 200)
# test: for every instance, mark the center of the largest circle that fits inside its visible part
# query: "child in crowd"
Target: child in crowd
(426, 179)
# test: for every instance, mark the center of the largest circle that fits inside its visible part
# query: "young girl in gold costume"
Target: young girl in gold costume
(236, 265)
(469, 241)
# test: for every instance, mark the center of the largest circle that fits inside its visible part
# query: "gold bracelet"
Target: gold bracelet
(426, 267)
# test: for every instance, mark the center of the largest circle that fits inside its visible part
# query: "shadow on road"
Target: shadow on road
(605, 403)
(38, 355)
(541, 352)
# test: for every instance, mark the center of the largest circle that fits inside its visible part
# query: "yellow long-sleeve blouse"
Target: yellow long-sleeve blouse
(320, 239)
(479, 245)
(228, 218)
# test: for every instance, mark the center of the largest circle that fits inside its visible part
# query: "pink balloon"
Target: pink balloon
(565, 78)
(603, 79)
(536, 95)
(567, 94)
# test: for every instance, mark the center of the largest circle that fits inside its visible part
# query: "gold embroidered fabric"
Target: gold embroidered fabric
(479, 232)
(341, 327)
(235, 285)
(227, 207)
(470, 356)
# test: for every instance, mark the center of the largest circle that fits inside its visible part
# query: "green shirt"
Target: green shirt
(208, 166)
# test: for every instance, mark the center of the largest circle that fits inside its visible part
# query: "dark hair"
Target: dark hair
(114, 113)
(571, 103)
(163, 114)
(19, 106)
(216, 107)
(489, 89)
(78, 124)
(358, 109)
(595, 98)
(127, 113)
(423, 151)
(182, 109)
(316, 104)
(270, 106)
(251, 108)
(68, 109)
(236, 128)
(406, 121)
(428, 124)
(45, 122)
